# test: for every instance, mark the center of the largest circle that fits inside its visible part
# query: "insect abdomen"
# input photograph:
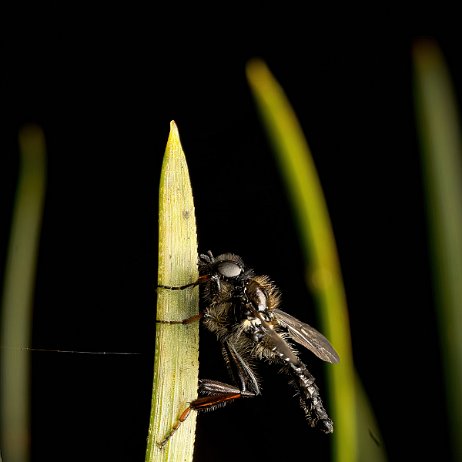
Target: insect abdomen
(310, 399)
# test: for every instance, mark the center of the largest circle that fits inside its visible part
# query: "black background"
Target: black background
(104, 90)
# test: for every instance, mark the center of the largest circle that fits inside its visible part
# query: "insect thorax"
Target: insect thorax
(235, 310)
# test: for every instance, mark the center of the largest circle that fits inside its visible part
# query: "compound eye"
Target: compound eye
(229, 269)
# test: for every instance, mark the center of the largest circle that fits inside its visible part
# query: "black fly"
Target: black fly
(241, 308)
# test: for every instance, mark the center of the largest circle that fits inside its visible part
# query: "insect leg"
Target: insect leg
(239, 369)
(184, 415)
(200, 280)
(219, 394)
(194, 318)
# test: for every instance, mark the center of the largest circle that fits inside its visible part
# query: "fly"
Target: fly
(242, 310)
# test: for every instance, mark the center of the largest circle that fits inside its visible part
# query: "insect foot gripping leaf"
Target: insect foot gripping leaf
(241, 308)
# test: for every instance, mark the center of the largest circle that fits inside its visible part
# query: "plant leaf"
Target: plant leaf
(176, 362)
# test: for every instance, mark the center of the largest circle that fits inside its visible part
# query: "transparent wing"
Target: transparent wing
(307, 336)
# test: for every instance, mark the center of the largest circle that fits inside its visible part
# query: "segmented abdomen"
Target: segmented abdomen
(310, 399)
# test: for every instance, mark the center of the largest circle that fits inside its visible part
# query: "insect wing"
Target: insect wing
(307, 336)
(281, 346)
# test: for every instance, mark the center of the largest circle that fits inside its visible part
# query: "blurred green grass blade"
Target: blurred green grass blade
(323, 269)
(440, 137)
(18, 295)
(176, 364)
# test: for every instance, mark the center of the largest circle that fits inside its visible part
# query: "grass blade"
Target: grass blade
(18, 293)
(323, 270)
(176, 363)
(440, 137)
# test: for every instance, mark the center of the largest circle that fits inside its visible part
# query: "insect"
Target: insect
(241, 308)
